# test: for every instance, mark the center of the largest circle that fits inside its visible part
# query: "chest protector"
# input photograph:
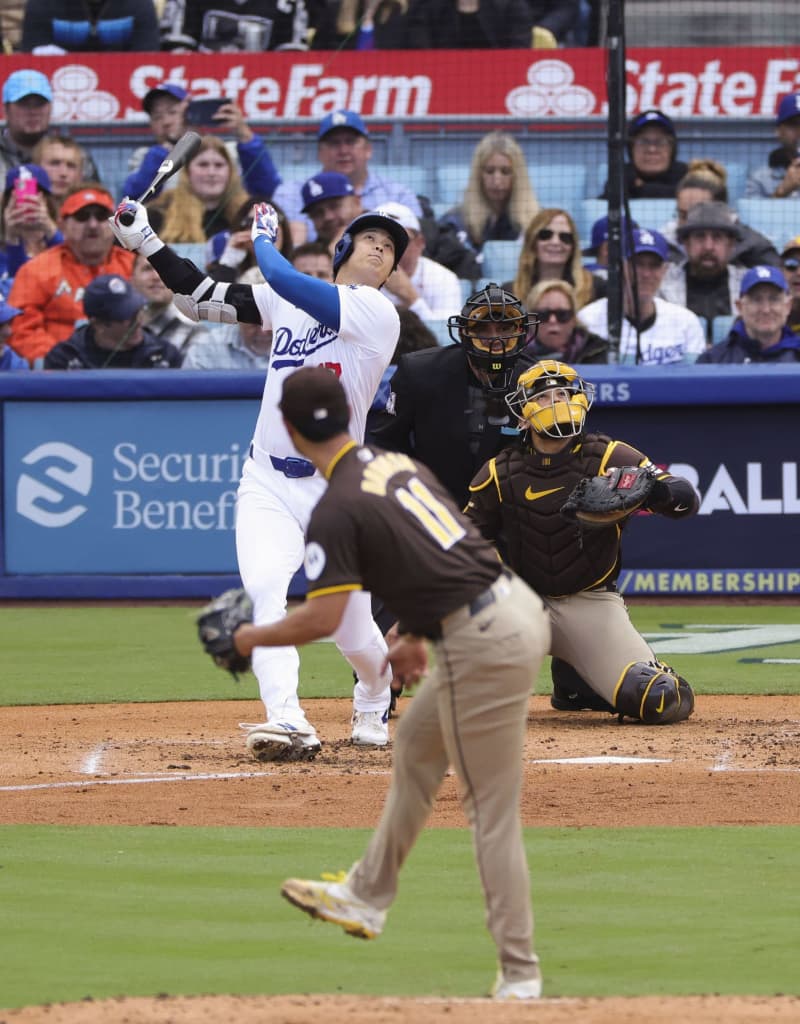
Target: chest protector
(552, 554)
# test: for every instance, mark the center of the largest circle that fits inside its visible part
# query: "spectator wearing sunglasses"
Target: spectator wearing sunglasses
(790, 258)
(560, 335)
(550, 252)
(654, 170)
(49, 288)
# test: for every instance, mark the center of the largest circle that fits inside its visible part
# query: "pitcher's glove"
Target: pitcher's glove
(605, 500)
(216, 624)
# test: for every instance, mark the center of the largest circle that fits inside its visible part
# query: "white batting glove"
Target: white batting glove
(265, 222)
(137, 236)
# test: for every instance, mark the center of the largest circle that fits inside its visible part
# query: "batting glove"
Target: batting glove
(265, 223)
(137, 236)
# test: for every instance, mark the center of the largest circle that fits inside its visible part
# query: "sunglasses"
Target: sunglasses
(563, 316)
(791, 263)
(545, 234)
(88, 213)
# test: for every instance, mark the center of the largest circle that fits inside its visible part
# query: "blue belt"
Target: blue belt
(293, 468)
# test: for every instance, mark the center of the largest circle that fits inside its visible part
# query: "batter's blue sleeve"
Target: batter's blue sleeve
(318, 298)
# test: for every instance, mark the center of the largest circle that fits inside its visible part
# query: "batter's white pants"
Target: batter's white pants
(272, 513)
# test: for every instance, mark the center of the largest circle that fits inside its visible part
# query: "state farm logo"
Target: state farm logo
(551, 91)
(49, 496)
(77, 98)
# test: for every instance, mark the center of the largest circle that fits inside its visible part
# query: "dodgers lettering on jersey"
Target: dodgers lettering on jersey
(358, 354)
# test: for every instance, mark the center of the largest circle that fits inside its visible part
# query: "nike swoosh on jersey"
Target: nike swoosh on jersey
(532, 495)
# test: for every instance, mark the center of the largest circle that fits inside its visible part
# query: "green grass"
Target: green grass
(87, 654)
(109, 911)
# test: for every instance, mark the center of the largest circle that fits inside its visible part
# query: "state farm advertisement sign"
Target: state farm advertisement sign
(527, 84)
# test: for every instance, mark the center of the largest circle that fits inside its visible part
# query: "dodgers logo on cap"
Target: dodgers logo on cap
(763, 274)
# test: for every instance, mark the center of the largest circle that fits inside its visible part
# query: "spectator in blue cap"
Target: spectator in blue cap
(166, 104)
(113, 336)
(597, 249)
(9, 360)
(654, 170)
(654, 332)
(344, 146)
(27, 99)
(779, 178)
(760, 333)
(330, 202)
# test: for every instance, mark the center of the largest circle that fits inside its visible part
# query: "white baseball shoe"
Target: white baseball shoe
(370, 728)
(281, 741)
(332, 900)
(528, 988)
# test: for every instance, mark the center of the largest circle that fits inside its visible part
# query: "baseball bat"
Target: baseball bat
(180, 154)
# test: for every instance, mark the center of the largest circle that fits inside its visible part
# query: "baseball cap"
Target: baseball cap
(651, 117)
(26, 82)
(402, 214)
(645, 240)
(87, 197)
(342, 119)
(710, 217)
(793, 245)
(600, 235)
(325, 185)
(37, 172)
(315, 403)
(788, 107)
(7, 312)
(111, 297)
(163, 89)
(763, 275)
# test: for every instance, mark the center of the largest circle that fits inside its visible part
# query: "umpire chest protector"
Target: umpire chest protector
(551, 553)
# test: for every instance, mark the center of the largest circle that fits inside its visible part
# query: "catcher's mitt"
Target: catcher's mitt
(216, 624)
(605, 500)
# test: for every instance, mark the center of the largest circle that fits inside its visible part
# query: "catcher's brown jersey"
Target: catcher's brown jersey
(515, 501)
(440, 561)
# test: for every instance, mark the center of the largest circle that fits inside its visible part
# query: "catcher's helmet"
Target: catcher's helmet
(561, 415)
(492, 328)
(364, 221)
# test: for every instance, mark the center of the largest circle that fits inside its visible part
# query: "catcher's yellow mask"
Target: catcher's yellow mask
(552, 399)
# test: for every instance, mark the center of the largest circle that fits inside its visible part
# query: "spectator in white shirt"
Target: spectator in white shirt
(420, 284)
(667, 333)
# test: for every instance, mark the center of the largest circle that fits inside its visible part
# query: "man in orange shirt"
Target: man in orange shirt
(49, 288)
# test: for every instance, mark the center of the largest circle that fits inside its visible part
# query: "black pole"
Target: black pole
(615, 84)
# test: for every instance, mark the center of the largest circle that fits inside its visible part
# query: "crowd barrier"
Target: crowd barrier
(122, 484)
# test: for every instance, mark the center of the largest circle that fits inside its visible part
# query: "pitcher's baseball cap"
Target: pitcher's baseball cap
(37, 172)
(26, 82)
(325, 185)
(315, 403)
(342, 119)
(87, 197)
(177, 92)
(763, 275)
(788, 107)
(111, 297)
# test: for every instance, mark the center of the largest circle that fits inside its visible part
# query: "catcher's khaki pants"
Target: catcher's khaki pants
(594, 633)
(471, 713)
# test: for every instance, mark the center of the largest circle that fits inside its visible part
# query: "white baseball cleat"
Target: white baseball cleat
(332, 900)
(370, 729)
(528, 988)
(281, 741)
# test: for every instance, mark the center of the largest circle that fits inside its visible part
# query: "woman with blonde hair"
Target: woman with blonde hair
(499, 199)
(560, 334)
(550, 251)
(206, 200)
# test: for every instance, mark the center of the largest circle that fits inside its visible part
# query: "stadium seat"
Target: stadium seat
(451, 179)
(775, 218)
(720, 326)
(586, 213)
(652, 213)
(737, 179)
(561, 185)
(194, 251)
(500, 260)
(418, 179)
(439, 328)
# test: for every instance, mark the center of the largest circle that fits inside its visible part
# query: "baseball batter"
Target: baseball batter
(516, 499)
(351, 329)
(387, 525)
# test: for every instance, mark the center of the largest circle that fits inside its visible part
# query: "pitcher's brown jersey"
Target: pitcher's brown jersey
(386, 524)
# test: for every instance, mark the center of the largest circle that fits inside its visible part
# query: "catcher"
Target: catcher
(555, 506)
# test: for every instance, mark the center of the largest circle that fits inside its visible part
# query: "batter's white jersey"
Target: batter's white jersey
(358, 355)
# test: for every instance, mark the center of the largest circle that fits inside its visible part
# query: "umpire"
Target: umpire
(600, 661)
(385, 524)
